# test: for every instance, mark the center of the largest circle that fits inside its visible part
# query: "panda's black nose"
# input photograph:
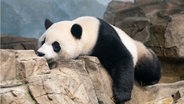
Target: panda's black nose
(40, 54)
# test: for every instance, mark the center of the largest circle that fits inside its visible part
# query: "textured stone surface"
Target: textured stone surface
(81, 81)
(174, 36)
(7, 71)
(157, 23)
(163, 93)
(71, 82)
(167, 38)
(15, 95)
(19, 64)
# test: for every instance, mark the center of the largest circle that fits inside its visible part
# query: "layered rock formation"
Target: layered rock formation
(157, 23)
(18, 43)
(27, 79)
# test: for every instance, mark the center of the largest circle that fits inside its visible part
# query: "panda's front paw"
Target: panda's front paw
(121, 96)
(52, 64)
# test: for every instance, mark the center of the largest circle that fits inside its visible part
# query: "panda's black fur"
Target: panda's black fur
(119, 66)
(118, 61)
(144, 72)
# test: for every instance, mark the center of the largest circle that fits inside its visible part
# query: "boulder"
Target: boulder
(167, 38)
(174, 37)
(80, 81)
(157, 23)
(130, 18)
(72, 82)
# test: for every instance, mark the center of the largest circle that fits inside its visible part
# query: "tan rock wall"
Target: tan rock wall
(28, 76)
(27, 79)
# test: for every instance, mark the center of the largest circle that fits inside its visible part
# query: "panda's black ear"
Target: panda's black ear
(76, 31)
(48, 23)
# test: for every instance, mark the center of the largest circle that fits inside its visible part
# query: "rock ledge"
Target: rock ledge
(27, 79)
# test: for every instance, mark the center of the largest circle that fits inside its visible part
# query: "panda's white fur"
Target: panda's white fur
(75, 48)
(85, 45)
(89, 24)
(48, 50)
(129, 43)
(118, 52)
(142, 51)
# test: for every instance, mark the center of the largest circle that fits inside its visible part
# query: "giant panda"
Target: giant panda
(123, 57)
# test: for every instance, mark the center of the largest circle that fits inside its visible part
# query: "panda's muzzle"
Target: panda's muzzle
(51, 62)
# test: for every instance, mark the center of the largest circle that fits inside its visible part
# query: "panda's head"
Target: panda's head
(67, 39)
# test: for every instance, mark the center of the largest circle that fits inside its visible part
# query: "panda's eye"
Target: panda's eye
(43, 42)
(56, 46)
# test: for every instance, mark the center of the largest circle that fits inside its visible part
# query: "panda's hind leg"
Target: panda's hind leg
(148, 69)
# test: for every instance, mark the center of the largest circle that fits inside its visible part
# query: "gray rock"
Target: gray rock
(157, 23)
(174, 36)
(18, 43)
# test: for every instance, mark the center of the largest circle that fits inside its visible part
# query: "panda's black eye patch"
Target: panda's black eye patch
(43, 42)
(56, 46)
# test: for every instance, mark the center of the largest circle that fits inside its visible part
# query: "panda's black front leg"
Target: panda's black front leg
(123, 77)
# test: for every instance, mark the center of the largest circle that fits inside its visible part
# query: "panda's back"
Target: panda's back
(92, 27)
(128, 42)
